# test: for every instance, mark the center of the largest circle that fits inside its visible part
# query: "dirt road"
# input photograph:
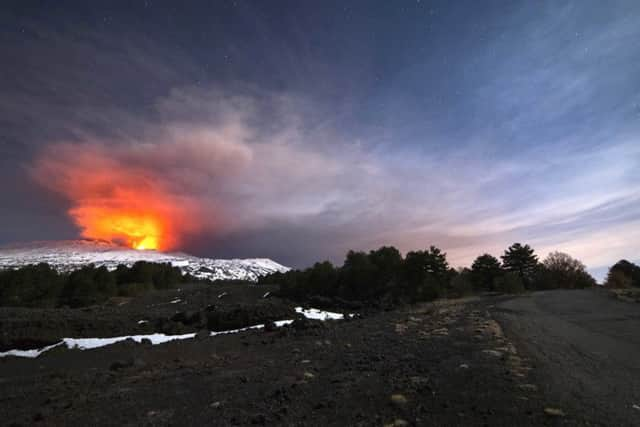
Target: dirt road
(585, 348)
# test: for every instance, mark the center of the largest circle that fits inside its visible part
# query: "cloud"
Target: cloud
(535, 145)
(218, 170)
(250, 165)
(140, 191)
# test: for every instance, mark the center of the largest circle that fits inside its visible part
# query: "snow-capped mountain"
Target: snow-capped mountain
(67, 255)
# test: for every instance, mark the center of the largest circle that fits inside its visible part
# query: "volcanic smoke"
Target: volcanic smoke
(115, 196)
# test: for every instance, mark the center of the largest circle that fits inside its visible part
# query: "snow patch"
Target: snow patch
(29, 353)
(315, 314)
(91, 343)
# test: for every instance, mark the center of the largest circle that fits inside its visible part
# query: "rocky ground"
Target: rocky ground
(177, 311)
(443, 363)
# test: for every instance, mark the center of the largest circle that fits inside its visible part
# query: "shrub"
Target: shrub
(460, 284)
(623, 274)
(617, 279)
(510, 283)
(133, 289)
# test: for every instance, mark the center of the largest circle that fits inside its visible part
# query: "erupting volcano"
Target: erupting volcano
(135, 219)
(139, 230)
(116, 196)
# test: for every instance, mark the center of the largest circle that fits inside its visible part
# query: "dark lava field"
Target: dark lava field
(446, 363)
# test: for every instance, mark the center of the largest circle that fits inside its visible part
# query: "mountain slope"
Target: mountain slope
(67, 255)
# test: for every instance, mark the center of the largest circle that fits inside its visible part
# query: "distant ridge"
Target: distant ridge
(68, 255)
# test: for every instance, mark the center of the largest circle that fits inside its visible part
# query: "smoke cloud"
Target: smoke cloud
(201, 168)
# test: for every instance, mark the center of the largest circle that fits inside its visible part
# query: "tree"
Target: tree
(388, 263)
(425, 274)
(30, 286)
(461, 283)
(437, 262)
(105, 282)
(563, 271)
(484, 271)
(388, 260)
(623, 274)
(522, 261)
(357, 273)
(81, 288)
(322, 279)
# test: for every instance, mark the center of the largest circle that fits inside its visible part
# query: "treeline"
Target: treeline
(42, 286)
(623, 274)
(384, 274)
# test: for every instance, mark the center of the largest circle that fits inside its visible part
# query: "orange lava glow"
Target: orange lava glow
(139, 230)
(121, 200)
(140, 221)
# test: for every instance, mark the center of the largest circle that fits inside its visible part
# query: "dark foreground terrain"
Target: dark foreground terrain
(444, 363)
(586, 348)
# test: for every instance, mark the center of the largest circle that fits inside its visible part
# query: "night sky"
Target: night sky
(299, 130)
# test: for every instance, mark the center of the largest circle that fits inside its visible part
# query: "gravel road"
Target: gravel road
(585, 348)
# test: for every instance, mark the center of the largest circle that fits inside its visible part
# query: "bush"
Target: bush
(461, 284)
(623, 274)
(133, 289)
(430, 289)
(617, 279)
(30, 286)
(510, 283)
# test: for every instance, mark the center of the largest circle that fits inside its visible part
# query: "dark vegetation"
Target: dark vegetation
(383, 275)
(42, 286)
(623, 274)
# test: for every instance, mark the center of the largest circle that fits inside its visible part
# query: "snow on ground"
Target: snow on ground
(68, 255)
(315, 314)
(91, 343)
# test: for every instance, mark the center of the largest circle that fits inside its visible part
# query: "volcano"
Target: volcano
(69, 255)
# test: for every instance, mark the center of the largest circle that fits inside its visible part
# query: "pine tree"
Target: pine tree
(522, 261)
(484, 271)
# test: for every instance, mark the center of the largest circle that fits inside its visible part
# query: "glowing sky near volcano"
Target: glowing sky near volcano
(114, 198)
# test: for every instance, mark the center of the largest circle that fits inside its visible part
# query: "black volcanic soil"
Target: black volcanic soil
(219, 307)
(444, 363)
